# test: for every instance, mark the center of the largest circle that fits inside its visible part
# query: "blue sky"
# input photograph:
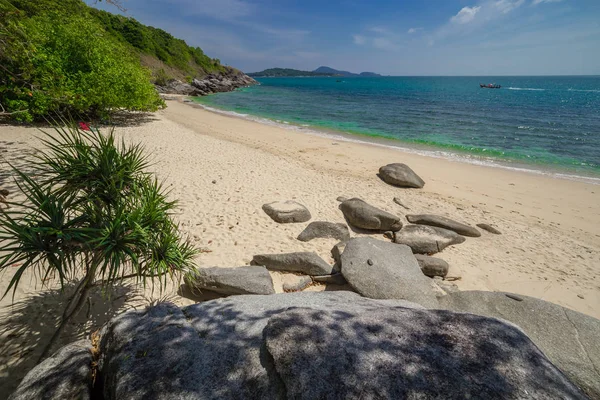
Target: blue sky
(392, 37)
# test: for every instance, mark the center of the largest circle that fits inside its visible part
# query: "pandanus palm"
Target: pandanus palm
(90, 210)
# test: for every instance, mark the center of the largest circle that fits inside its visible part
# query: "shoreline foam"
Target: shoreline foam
(404, 146)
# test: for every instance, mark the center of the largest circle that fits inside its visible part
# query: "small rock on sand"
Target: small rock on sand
(303, 262)
(361, 214)
(443, 222)
(401, 175)
(286, 212)
(322, 229)
(489, 228)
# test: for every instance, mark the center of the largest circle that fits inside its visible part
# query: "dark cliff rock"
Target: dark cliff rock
(212, 83)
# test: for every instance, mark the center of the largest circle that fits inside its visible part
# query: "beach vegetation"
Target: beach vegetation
(91, 213)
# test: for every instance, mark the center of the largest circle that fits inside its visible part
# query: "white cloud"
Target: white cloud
(507, 6)
(412, 31)
(359, 39)
(466, 15)
(536, 2)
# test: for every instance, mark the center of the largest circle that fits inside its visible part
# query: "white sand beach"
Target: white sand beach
(223, 169)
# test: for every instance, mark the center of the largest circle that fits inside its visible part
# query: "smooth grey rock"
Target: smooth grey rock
(337, 250)
(432, 266)
(286, 212)
(299, 284)
(335, 279)
(409, 354)
(304, 262)
(67, 374)
(341, 198)
(382, 270)
(446, 286)
(400, 175)
(571, 340)
(322, 229)
(361, 214)
(233, 281)
(443, 222)
(490, 229)
(233, 362)
(424, 239)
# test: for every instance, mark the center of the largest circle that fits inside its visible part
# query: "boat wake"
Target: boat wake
(585, 91)
(531, 89)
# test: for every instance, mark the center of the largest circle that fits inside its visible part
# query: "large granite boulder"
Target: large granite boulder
(400, 175)
(443, 222)
(432, 266)
(409, 354)
(286, 212)
(382, 270)
(424, 239)
(322, 229)
(233, 281)
(212, 350)
(67, 374)
(570, 340)
(361, 214)
(303, 262)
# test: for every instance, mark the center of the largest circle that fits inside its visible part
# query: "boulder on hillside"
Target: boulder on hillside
(322, 229)
(568, 338)
(432, 266)
(424, 239)
(286, 212)
(443, 222)
(382, 270)
(409, 354)
(233, 281)
(303, 262)
(67, 374)
(210, 350)
(400, 175)
(361, 214)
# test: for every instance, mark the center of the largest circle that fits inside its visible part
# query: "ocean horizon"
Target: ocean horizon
(539, 123)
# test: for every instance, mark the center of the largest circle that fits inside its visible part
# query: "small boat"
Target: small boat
(489, 86)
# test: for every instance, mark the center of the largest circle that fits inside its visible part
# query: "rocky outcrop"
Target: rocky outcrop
(67, 374)
(211, 350)
(286, 212)
(362, 215)
(432, 266)
(382, 270)
(424, 239)
(303, 262)
(443, 222)
(322, 229)
(313, 345)
(568, 338)
(232, 281)
(400, 175)
(402, 353)
(213, 83)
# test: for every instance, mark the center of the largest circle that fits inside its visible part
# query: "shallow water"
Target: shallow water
(540, 122)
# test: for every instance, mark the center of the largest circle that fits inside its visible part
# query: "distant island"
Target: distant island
(321, 71)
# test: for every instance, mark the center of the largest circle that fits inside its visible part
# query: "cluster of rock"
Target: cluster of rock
(212, 83)
(404, 333)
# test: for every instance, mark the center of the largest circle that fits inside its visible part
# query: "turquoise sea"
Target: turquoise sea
(540, 123)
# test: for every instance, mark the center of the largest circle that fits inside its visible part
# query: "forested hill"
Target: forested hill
(63, 56)
(159, 49)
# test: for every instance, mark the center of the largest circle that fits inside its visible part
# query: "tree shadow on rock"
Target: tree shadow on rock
(27, 325)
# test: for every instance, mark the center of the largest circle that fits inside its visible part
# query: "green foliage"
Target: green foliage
(91, 209)
(160, 77)
(158, 43)
(59, 65)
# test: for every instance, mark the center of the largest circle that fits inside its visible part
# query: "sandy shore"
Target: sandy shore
(223, 169)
